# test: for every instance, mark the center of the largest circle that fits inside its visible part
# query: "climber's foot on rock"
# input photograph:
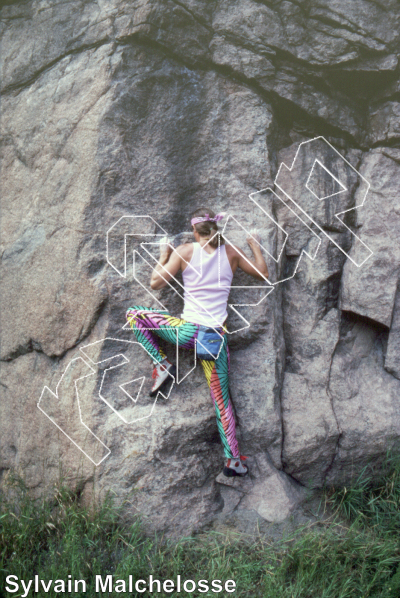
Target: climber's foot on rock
(162, 375)
(235, 467)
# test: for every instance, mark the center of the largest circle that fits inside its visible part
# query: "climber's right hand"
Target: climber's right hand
(166, 247)
(254, 240)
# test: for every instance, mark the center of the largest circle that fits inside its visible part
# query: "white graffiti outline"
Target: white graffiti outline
(121, 386)
(316, 161)
(56, 395)
(283, 165)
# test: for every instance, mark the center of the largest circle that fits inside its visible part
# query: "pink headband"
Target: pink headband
(207, 218)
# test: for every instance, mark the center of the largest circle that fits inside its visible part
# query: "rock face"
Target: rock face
(117, 110)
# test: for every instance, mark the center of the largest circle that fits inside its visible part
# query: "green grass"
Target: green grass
(356, 553)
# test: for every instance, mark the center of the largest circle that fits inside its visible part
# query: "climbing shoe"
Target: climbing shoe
(162, 374)
(235, 467)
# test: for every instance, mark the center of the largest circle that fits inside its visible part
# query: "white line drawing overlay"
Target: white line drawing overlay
(51, 403)
(343, 188)
(292, 182)
(299, 184)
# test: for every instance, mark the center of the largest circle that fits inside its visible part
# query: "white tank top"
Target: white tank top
(207, 281)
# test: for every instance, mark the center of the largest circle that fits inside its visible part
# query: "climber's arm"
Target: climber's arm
(168, 265)
(257, 268)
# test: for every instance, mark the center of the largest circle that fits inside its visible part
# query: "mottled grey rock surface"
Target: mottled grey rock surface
(152, 108)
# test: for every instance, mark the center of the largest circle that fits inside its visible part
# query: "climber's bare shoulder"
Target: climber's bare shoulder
(185, 253)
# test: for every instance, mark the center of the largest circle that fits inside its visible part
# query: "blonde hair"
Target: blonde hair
(208, 229)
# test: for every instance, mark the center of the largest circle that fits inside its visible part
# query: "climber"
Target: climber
(207, 266)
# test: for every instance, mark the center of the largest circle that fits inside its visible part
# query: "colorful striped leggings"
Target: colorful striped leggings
(151, 324)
